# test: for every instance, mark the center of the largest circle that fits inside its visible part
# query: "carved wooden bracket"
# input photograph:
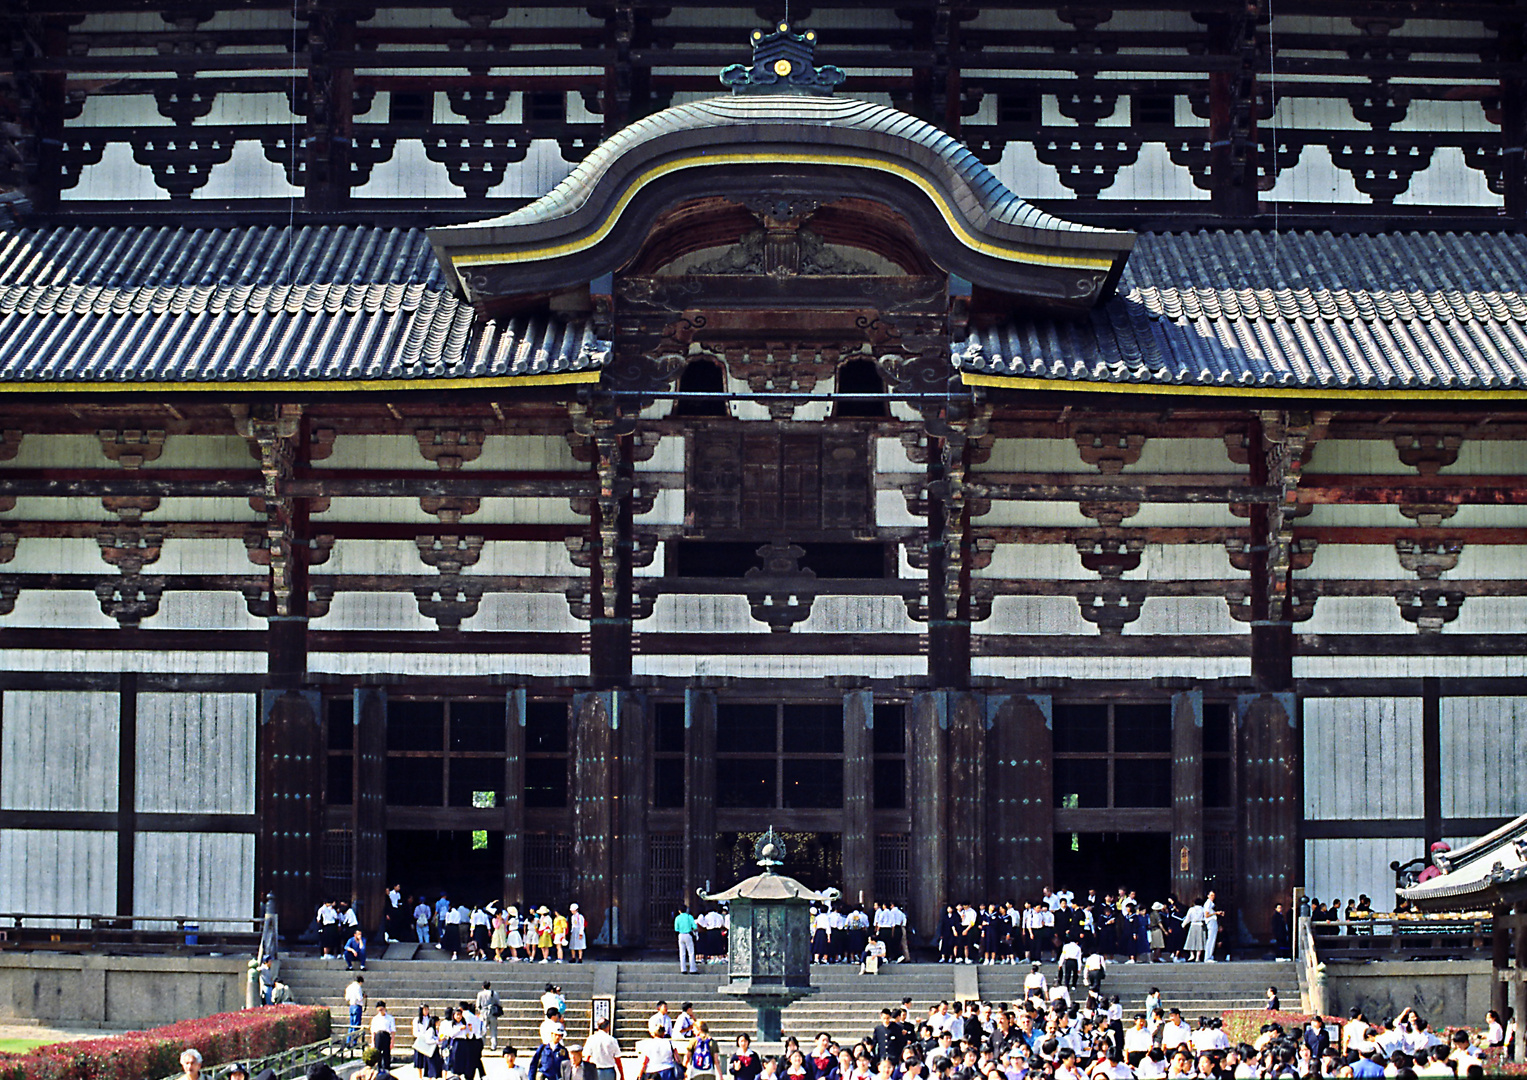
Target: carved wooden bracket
(7, 546)
(788, 588)
(130, 508)
(9, 591)
(321, 443)
(10, 443)
(1428, 515)
(1431, 559)
(1108, 514)
(1430, 608)
(1110, 559)
(448, 447)
(129, 600)
(449, 554)
(1110, 451)
(449, 602)
(130, 550)
(7, 503)
(131, 447)
(1301, 602)
(1112, 607)
(1428, 452)
(1301, 553)
(449, 509)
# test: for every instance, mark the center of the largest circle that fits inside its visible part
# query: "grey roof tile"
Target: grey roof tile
(254, 305)
(1409, 311)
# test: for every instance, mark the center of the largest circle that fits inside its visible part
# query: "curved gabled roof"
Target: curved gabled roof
(970, 223)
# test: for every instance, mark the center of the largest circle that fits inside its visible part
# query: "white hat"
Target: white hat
(1158, 906)
(572, 907)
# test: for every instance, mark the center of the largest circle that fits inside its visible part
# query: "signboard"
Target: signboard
(601, 1007)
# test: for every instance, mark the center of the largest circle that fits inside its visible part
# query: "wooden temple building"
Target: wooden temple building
(999, 444)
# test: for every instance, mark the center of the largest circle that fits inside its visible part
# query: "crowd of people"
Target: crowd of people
(1048, 1036)
(491, 931)
(1118, 925)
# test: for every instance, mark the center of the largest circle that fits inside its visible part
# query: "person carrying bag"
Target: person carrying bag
(655, 1057)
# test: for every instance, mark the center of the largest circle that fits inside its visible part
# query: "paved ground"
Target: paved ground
(39, 1035)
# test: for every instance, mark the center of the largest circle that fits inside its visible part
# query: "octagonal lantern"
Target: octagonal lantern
(769, 955)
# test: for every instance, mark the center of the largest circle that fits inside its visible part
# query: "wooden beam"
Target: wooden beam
(111, 821)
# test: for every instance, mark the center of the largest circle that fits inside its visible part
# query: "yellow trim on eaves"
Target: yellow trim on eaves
(294, 385)
(952, 219)
(1088, 387)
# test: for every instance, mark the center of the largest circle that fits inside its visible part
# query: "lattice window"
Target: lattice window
(548, 870)
(665, 881)
(891, 868)
(338, 862)
(1219, 868)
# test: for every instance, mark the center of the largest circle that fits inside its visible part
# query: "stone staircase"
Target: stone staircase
(847, 1004)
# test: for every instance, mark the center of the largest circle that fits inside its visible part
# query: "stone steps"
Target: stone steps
(846, 1004)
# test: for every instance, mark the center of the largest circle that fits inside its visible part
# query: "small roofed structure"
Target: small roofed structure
(1490, 873)
(769, 955)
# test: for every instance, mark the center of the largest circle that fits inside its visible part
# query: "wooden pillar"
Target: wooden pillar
(1501, 928)
(1020, 811)
(1187, 795)
(127, 789)
(595, 776)
(858, 797)
(1513, 122)
(514, 797)
(633, 866)
(1431, 761)
(967, 796)
(699, 790)
(368, 886)
(1519, 986)
(1271, 807)
(928, 852)
(289, 779)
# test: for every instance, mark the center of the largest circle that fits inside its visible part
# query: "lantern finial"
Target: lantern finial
(769, 852)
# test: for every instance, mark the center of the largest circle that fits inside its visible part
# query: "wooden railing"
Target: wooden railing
(120, 933)
(293, 1064)
(1402, 936)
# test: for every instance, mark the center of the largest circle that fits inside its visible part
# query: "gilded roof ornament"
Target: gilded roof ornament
(783, 63)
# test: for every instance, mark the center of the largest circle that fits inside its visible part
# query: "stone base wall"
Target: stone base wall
(1445, 992)
(118, 991)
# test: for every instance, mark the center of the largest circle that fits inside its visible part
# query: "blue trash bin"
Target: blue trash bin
(191, 929)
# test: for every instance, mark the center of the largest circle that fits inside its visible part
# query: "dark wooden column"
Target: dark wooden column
(633, 862)
(967, 796)
(1271, 806)
(699, 789)
(368, 887)
(595, 777)
(127, 789)
(928, 853)
(514, 797)
(1232, 114)
(858, 796)
(1020, 812)
(1188, 795)
(289, 780)
(1513, 122)
(1431, 760)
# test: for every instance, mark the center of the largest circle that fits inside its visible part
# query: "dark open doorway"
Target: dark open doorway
(1111, 861)
(468, 866)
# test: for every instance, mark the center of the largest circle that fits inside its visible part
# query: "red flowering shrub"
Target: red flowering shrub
(1244, 1025)
(147, 1055)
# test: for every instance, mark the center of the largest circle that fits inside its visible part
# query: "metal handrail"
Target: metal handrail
(293, 1063)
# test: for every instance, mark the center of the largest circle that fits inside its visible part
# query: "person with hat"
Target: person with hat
(654, 1055)
(543, 933)
(580, 1068)
(577, 933)
(551, 1060)
(1157, 931)
(559, 933)
(237, 1071)
(514, 940)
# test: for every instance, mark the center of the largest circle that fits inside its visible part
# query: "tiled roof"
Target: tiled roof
(1479, 874)
(1288, 311)
(106, 307)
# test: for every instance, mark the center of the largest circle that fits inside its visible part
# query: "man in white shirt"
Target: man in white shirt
(1211, 927)
(394, 909)
(899, 925)
(355, 997)
(383, 1029)
(1035, 984)
(940, 1020)
(661, 1021)
(487, 997)
(1137, 1040)
(1174, 1032)
(602, 1051)
(1070, 963)
(329, 935)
